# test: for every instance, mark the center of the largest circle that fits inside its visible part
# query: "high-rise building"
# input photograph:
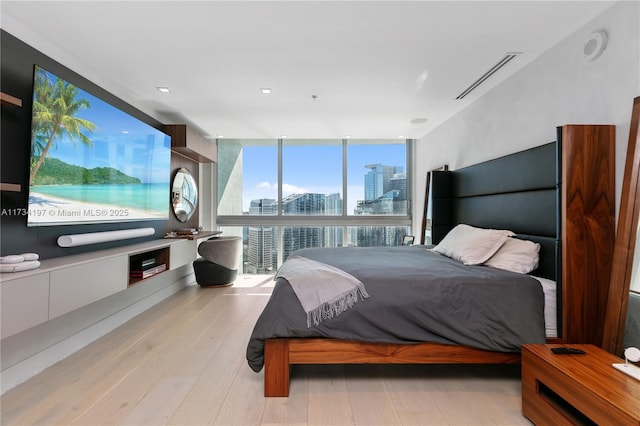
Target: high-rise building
(373, 182)
(261, 249)
(304, 204)
(385, 190)
(297, 237)
(263, 206)
(371, 236)
(377, 180)
(398, 182)
(333, 234)
(333, 204)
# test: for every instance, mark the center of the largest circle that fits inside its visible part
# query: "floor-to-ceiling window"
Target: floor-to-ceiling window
(282, 195)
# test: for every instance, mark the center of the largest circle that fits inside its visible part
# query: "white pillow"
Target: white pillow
(517, 256)
(471, 245)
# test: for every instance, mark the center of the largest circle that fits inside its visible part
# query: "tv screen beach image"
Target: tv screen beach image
(92, 162)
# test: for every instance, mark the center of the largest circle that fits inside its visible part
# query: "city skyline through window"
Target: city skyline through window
(314, 169)
(334, 193)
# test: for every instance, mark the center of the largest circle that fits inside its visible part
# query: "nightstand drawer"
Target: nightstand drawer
(577, 389)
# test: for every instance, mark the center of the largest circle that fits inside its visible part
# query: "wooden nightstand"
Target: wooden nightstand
(577, 389)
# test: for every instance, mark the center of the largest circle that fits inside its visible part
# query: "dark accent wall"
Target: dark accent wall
(16, 79)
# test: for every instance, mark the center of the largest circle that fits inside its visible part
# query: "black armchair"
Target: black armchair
(219, 263)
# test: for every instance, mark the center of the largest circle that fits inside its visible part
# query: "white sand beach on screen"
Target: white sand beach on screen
(47, 209)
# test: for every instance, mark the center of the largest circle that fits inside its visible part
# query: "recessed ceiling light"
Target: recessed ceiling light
(419, 120)
(347, 136)
(163, 89)
(401, 137)
(265, 90)
(283, 136)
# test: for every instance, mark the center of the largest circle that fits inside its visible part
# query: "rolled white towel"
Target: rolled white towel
(30, 256)
(18, 267)
(12, 258)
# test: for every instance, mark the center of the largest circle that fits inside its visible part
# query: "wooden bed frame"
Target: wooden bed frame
(280, 354)
(578, 177)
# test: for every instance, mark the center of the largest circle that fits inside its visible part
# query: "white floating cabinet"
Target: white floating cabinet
(74, 287)
(64, 284)
(25, 303)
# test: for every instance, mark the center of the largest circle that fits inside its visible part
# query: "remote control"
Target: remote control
(567, 351)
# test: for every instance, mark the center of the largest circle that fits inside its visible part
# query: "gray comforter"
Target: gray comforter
(415, 296)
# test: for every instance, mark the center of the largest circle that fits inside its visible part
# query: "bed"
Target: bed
(522, 193)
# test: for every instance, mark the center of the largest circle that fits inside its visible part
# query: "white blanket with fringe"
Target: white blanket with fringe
(324, 291)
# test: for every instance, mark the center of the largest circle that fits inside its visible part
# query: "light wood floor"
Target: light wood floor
(182, 363)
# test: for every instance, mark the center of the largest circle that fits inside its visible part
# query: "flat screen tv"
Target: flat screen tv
(91, 162)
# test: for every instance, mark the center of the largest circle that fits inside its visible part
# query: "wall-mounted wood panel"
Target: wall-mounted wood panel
(7, 99)
(187, 142)
(588, 228)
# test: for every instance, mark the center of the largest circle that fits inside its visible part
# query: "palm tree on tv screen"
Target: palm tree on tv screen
(54, 109)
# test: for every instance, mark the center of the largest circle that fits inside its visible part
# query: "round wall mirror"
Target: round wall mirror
(184, 195)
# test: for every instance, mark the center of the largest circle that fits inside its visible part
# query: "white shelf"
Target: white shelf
(628, 369)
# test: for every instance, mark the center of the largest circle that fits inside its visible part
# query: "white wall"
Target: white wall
(560, 87)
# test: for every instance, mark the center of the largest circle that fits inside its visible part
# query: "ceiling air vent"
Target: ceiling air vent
(501, 63)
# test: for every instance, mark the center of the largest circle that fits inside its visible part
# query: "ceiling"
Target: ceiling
(380, 69)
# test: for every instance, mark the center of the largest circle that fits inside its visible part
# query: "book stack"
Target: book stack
(147, 268)
(188, 231)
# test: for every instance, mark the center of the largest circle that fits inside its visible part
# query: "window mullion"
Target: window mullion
(280, 177)
(345, 158)
(409, 175)
(344, 177)
(279, 233)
